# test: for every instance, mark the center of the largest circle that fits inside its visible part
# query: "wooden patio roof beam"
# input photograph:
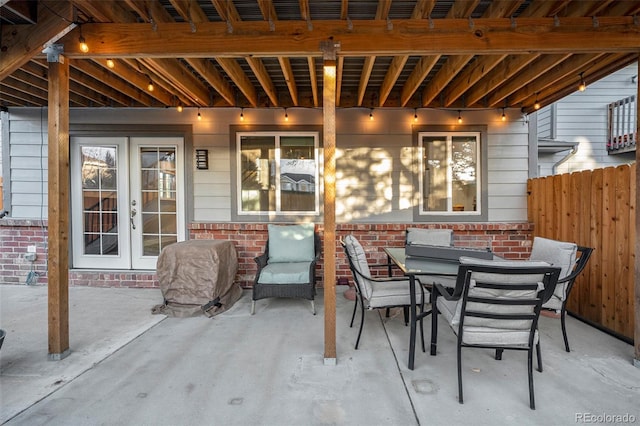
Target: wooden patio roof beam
(23, 42)
(407, 37)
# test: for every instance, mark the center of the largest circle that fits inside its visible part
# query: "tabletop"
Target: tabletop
(412, 265)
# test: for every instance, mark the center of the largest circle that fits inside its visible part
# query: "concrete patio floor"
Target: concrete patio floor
(130, 367)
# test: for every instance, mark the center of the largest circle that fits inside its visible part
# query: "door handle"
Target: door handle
(133, 213)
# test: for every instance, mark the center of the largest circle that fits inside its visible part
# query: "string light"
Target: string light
(150, 85)
(286, 116)
(536, 104)
(583, 86)
(110, 63)
(371, 115)
(84, 47)
(459, 117)
(504, 117)
(415, 115)
(179, 108)
(199, 115)
(242, 114)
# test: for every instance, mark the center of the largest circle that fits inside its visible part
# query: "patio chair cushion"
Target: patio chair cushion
(451, 309)
(291, 243)
(560, 254)
(478, 335)
(434, 237)
(285, 273)
(392, 293)
(359, 259)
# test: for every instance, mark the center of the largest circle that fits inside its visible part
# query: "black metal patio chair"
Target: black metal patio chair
(495, 305)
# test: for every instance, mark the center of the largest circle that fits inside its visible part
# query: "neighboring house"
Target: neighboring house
(573, 133)
(146, 192)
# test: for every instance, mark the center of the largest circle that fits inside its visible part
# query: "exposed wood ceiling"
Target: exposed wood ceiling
(456, 54)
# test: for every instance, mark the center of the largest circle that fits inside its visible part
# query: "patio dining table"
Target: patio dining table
(417, 268)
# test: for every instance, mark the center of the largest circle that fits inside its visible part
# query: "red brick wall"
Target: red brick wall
(510, 240)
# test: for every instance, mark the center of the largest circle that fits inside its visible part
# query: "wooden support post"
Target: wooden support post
(636, 360)
(329, 113)
(58, 214)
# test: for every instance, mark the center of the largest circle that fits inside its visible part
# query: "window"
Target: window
(451, 170)
(277, 173)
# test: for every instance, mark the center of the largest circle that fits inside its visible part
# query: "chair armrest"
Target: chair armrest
(447, 293)
(385, 279)
(261, 260)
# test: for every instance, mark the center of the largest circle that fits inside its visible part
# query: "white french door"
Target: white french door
(127, 200)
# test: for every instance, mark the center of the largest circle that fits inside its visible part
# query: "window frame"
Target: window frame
(481, 213)
(236, 132)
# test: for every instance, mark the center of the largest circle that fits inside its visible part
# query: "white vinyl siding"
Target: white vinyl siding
(582, 117)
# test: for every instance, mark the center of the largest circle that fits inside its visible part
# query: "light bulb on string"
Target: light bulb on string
(459, 117)
(84, 47)
(110, 63)
(582, 86)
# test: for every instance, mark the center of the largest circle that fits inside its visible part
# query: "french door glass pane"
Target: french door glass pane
(99, 171)
(158, 198)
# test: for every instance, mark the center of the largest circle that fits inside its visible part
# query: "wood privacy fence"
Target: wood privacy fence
(594, 208)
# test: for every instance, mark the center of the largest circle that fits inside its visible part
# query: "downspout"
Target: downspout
(571, 153)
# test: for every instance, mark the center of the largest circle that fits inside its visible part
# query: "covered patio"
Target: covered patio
(451, 57)
(131, 367)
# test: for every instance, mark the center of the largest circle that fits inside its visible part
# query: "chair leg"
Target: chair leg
(313, 307)
(434, 326)
(361, 323)
(564, 329)
(355, 307)
(539, 356)
(499, 354)
(405, 311)
(532, 402)
(253, 307)
(387, 313)
(460, 398)
(421, 324)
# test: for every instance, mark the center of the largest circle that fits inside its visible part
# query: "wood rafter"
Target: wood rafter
(419, 73)
(229, 13)
(542, 65)
(571, 66)
(382, 13)
(193, 14)
(421, 10)
(604, 68)
(134, 79)
(506, 70)
(23, 42)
